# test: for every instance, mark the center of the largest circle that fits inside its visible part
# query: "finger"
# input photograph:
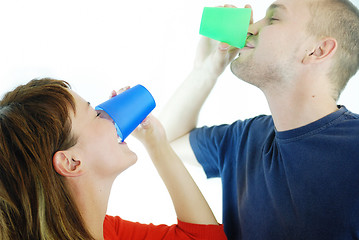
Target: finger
(223, 46)
(229, 6)
(146, 122)
(123, 89)
(113, 94)
(221, 53)
(249, 6)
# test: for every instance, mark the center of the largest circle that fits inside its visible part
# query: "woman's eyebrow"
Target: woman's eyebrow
(88, 105)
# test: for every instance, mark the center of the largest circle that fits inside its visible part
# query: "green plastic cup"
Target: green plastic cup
(229, 25)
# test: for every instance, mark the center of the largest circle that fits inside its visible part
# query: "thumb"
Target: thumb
(221, 53)
(249, 6)
(146, 123)
(223, 46)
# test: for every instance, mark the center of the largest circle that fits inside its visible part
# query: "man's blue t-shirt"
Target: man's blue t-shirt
(296, 184)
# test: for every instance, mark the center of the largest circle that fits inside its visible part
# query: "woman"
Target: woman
(58, 160)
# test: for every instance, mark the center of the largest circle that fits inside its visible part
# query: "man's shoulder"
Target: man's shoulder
(260, 121)
(347, 119)
(260, 126)
(350, 115)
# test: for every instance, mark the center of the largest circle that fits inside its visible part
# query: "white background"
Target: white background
(98, 46)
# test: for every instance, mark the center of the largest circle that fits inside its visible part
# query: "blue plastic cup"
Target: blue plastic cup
(128, 109)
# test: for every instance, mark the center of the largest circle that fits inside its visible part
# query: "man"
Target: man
(292, 175)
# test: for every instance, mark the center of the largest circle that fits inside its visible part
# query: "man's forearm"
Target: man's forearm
(180, 114)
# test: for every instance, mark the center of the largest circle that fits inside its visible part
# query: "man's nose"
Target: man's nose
(254, 28)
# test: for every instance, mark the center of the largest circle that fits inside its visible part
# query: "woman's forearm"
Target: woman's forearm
(189, 203)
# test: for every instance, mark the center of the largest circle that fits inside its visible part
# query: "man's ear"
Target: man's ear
(65, 165)
(324, 50)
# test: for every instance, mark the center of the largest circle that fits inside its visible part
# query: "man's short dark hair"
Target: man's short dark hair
(338, 19)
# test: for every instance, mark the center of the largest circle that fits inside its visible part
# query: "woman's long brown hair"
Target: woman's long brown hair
(34, 200)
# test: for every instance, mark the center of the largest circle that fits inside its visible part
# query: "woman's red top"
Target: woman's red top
(117, 228)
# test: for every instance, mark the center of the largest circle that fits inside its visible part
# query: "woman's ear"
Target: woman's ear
(324, 50)
(65, 164)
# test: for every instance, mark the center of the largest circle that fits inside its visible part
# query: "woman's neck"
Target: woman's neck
(91, 197)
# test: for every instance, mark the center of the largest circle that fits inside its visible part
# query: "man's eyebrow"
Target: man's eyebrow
(277, 6)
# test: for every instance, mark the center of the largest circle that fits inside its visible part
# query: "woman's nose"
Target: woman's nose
(104, 115)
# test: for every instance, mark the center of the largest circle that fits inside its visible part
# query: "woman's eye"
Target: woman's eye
(98, 114)
(273, 19)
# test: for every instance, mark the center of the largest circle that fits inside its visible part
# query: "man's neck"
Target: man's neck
(291, 109)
